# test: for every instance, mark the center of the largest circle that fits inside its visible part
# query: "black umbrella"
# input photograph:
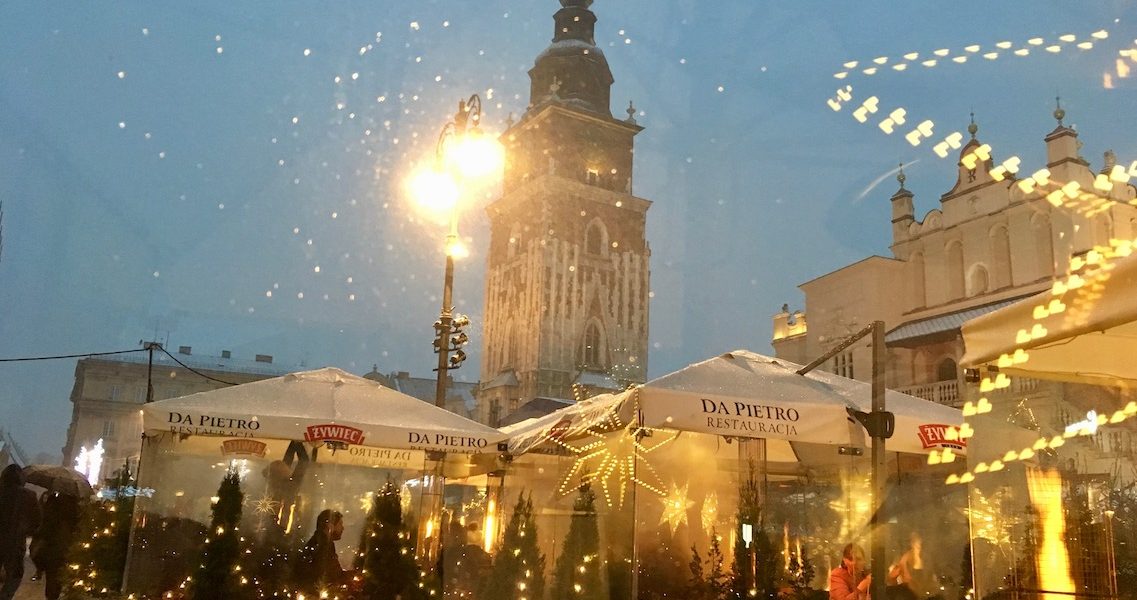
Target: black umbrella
(62, 480)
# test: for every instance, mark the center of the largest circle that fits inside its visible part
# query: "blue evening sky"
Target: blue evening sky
(165, 165)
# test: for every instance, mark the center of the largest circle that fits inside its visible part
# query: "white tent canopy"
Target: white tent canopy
(325, 405)
(748, 395)
(1084, 330)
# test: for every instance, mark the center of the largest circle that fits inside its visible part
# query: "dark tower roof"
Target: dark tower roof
(573, 71)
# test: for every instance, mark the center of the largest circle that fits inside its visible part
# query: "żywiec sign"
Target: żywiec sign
(334, 433)
(244, 447)
(935, 436)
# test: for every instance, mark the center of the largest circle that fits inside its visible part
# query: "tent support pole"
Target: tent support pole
(839, 348)
(879, 538)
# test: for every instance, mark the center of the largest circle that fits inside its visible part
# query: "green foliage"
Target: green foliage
(217, 574)
(755, 570)
(519, 567)
(801, 575)
(708, 579)
(386, 555)
(578, 574)
(98, 556)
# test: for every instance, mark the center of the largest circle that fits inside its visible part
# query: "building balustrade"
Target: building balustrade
(940, 392)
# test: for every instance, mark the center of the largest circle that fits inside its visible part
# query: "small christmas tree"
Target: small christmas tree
(708, 579)
(219, 572)
(801, 574)
(518, 571)
(98, 556)
(755, 567)
(386, 552)
(577, 575)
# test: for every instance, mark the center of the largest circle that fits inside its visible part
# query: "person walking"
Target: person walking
(56, 533)
(19, 517)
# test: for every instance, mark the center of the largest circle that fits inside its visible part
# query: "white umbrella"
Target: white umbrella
(325, 405)
(747, 395)
(1083, 330)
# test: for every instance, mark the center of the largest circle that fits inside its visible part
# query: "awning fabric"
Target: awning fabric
(743, 394)
(1080, 331)
(325, 405)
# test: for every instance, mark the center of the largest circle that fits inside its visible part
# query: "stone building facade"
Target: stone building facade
(988, 244)
(109, 392)
(567, 275)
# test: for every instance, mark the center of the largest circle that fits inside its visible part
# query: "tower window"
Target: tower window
(596, 238)
(592, 176)
(592, 346)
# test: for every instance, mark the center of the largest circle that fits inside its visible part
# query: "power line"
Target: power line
(31, 358)
(191, 369)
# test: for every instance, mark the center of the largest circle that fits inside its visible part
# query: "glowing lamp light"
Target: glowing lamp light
(435, 191)
(456, 248)
(475, 155)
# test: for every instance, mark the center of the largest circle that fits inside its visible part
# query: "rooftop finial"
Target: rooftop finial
(1058, 112)
(972, 128)
(1110, 159)
(901, 177)
(631, 113)
(576, 3)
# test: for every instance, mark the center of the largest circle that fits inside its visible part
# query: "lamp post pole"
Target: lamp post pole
(442, 331)
(448, 335)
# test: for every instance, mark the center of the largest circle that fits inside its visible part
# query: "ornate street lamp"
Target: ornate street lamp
(463, 152)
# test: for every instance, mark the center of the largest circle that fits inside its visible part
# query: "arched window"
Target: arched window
(978, 282)
(918, 282)
(955, 270)
(947, 370)
(1043, 244)
(596, 238)
(1001, 256)
(592, 346)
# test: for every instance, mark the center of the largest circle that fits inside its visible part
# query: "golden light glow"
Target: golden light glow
(1053, 561)
(675, 507)
(491, 526)
(456, 248)
(474, 154)
(616, 457)
(434, 191)
(710, 512)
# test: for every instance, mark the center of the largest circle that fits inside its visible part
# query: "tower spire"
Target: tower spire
(574, 62)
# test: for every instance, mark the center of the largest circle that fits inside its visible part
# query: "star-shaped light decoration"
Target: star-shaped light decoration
(610, 458)
(266, 505)
(710, 512)
(366, 502)
(675, 507)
